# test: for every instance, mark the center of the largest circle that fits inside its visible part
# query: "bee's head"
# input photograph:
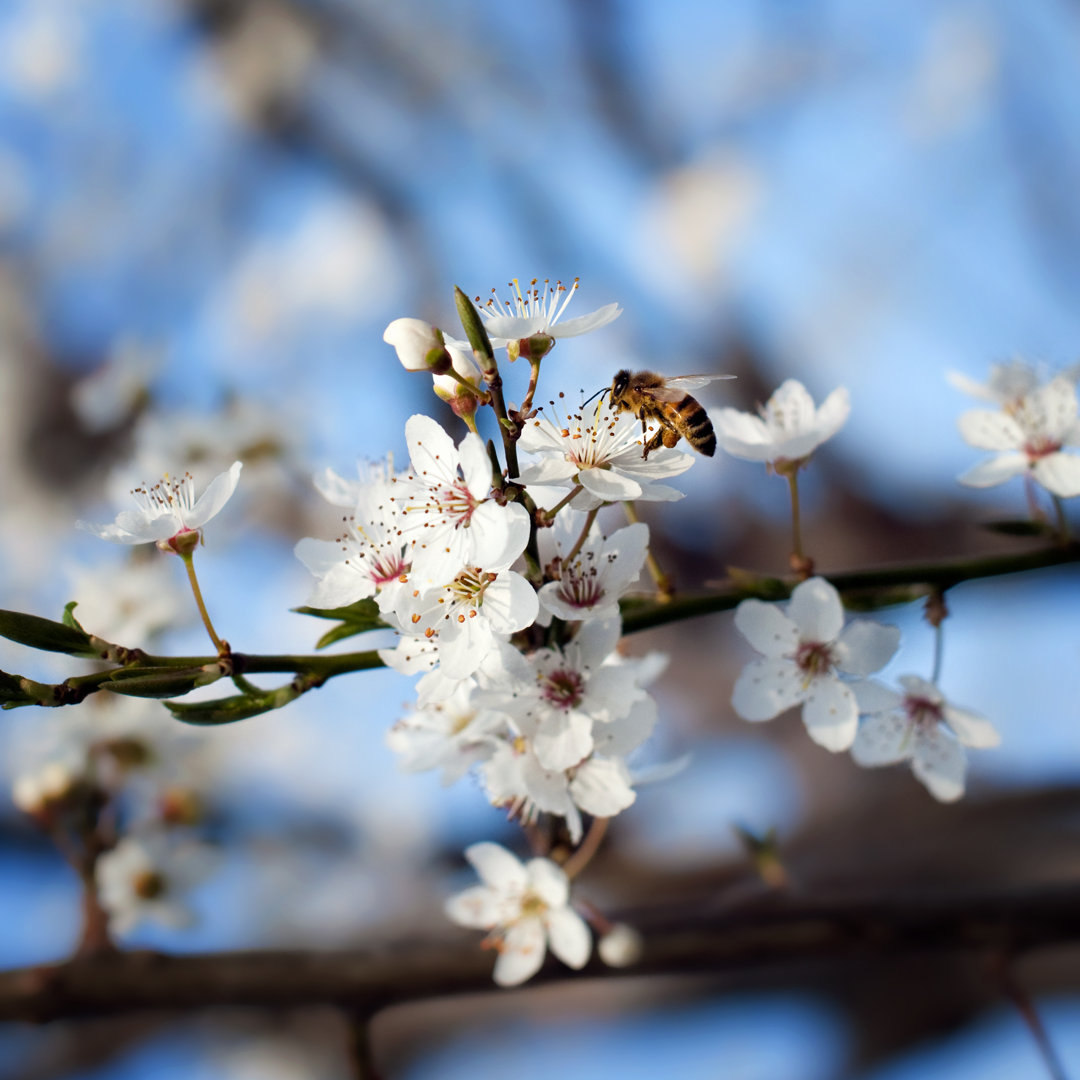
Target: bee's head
(619, 384)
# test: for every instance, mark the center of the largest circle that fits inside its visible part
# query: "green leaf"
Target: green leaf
(231, 709)
(45, 634)
(69, 619)
(355, 619)
(1020, 528)
(758, 585)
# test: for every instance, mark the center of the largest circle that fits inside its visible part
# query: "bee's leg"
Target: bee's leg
(654, 443)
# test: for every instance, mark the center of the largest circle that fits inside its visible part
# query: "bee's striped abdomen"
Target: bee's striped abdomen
(696, 427)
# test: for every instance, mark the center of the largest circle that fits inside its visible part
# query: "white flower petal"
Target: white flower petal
(882, 739)
(767, 628)
(865, 647)
(816, 610)
(995, 470)
(548, 881)
(986, 430)
(522, 954)
(940, 763)
(431, 451)
(479, 907)
(563, 741)
(608, 485)
(767, 687)
(217, 494)
(602, 788)
(971, 728)
(497, 867)
(569, 937)
(582, 324)
(873, 697)
(830, 714)
(1059, 473)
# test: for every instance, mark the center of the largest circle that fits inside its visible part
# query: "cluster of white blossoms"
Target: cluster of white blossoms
(502, 586)
(810, 658)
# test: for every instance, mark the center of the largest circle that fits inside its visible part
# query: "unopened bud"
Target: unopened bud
(535, 347)
(183, 543)
(419, 345)
(621, 946)
(180, 806)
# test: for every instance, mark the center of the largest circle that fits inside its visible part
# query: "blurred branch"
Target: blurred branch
(778, 929)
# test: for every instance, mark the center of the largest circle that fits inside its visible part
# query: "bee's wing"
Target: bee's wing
(675, 388)
(693, 382)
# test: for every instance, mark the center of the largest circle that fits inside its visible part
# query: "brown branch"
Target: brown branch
(776, 930)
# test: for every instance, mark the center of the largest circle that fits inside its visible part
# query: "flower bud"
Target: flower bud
(419, 345)
(452, 391)
(621, 946)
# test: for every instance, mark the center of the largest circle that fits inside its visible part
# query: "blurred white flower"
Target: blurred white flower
(128, 603)
(789, 428)
(105, 398)
(526, 908)
(804, 652)
(168, 510)
(621, 946)
(919, 726)
(1028, 436)
(146, 878)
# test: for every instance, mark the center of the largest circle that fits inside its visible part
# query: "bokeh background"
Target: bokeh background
(209, 211)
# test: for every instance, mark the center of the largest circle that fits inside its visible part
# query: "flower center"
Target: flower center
(148, 885)
(1040, 446)
(564, 689)
(814, 658)
(922, 711)
(167, 496)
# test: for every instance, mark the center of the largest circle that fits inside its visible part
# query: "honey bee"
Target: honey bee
(653, 397)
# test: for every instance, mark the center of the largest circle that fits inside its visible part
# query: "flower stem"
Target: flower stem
(189, 565)
(587, 848)
(549, 515)
(663, 582)
(939, 651)
(802, 566)
(534, 376)
(590, 518)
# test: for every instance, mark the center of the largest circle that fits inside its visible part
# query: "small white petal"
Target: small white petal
(987, 430)
(548, 881)
(873, 697)
(940, 763)
(497, 867)
(882, 739)
(608, 485)
(831, 715)
(479, 908)
(582, 324)
(569, 937)
(217, 494)
(865, 647)
(971, 728)
(767, 628)
(1059, 473)
(995, 470)
(522, 953)
(602, 788)
(816, 610)
(767, 687)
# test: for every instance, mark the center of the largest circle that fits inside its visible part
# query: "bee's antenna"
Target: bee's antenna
(604, 390)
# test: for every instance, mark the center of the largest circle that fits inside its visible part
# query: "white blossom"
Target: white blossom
(919, 726)
(804, 652)
(534, 312)
(146, 878)
(1008, 383)
(168, 509)
(589, 585)
(1028, 436)
(788, 429)
(525, 906)
(602, 453)
(621, 946)
(452, 735)
(370, 558)
(448, 514)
